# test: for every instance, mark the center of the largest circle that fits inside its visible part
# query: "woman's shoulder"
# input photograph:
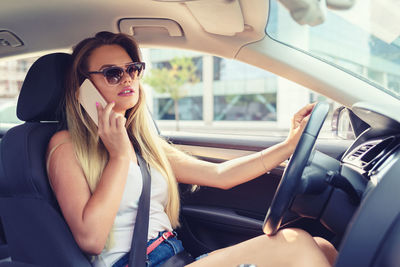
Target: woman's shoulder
(60, 138)
(57, 140)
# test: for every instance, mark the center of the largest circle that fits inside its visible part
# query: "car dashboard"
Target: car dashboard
(372, 158)
(372, 166)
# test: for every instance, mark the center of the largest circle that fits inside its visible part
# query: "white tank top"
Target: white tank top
(125, 220)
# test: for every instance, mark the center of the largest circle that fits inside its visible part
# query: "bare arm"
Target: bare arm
(89, 216)
(190, 170)
(234, 172)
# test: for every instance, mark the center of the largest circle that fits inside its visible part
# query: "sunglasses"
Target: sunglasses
(114, 74)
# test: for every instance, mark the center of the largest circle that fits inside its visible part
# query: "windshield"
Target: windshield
(363, 40)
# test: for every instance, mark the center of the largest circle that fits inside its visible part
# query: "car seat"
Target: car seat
(33, 226)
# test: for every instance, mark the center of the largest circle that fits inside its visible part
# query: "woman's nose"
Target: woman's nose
(126, 78)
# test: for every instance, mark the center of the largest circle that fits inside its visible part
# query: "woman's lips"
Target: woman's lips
(127, 91)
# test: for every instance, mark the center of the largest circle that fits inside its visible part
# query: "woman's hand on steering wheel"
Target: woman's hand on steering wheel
(303, 134)
(298, 123)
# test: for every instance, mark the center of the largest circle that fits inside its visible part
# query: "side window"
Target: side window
(216, 95)
(12, 75)
(210, 94)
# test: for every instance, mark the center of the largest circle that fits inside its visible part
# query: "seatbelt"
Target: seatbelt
(138, 256)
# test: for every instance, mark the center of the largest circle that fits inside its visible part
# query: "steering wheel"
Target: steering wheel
(290, 181)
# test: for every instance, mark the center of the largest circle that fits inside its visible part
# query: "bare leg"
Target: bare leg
(289, 247)
(327, 248)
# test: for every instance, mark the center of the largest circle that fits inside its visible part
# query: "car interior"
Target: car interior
(345, 191)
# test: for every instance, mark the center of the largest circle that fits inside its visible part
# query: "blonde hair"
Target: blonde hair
(89, 149)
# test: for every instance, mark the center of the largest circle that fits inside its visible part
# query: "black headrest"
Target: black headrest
(43, 88)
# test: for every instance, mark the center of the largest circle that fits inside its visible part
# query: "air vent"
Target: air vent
(377, 150)
(361, 150)
(367, 154)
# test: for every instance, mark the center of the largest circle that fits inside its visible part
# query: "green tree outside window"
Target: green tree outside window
(174, 81)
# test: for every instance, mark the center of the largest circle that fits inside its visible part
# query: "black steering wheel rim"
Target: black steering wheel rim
(290, 181)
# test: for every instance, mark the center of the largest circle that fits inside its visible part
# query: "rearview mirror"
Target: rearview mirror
(310, 12)
(313, 12)
(340, 4)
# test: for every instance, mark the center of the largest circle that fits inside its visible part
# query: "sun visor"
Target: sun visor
(211, 22)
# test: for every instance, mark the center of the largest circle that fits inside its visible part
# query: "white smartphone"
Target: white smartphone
(88, 96)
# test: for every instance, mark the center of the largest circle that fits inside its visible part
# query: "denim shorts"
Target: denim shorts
(159, 255)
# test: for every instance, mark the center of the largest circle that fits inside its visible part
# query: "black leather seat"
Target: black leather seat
(34, 228)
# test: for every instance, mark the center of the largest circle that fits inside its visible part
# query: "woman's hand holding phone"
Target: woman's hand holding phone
(112, 131)
(111, 125)
(88, 97)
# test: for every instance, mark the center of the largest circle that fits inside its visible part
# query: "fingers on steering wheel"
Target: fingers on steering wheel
(303, 115)
(305, 120)
(306, 110)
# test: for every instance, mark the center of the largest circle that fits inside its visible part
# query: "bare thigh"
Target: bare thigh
(289, 247)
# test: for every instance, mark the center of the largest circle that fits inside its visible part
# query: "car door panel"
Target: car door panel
(214, 218)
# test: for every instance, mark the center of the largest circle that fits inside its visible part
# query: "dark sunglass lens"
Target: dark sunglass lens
(131, 69)
(114, 74)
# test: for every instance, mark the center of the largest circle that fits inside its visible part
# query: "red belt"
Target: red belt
(158, 241)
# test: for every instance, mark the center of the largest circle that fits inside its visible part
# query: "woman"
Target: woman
(95, 177)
